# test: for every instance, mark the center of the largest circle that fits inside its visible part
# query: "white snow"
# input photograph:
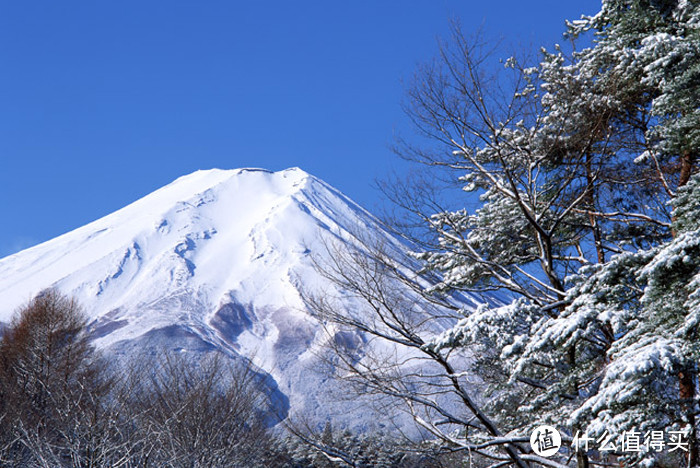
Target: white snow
(212, 232)
(243, 237)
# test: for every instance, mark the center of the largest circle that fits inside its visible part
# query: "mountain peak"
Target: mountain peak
(210, 220)
(215, 260)
(214, 174)
(195, 183)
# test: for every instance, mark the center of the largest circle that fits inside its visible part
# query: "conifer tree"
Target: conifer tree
(575, 171)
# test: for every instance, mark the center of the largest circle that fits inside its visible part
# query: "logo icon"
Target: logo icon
(545, 441)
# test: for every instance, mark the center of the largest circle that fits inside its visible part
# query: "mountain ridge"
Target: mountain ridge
(213, 262)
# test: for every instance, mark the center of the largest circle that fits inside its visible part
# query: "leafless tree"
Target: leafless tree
(380, 301)
(62, 404)
(55, 391)
(200, 412)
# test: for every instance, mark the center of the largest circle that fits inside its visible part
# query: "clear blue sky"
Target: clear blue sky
(103, 102)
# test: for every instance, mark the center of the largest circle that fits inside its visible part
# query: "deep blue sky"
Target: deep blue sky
(103, 102)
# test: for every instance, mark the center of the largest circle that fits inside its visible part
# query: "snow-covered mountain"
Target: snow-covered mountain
(215, 260)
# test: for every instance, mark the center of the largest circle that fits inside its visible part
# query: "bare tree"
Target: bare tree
(62, 404)
(200, 412)
(382, 301)
(55, 390)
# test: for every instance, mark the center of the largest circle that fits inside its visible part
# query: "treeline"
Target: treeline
(63, 404)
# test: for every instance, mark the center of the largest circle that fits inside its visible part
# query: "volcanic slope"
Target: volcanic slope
(214, 261)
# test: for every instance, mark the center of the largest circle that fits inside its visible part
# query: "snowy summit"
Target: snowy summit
(215, 260)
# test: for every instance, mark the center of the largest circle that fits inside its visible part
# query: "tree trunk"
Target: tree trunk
(687, 164)
(687, 394)
(582, 460)
(686, 378)
(590, 201)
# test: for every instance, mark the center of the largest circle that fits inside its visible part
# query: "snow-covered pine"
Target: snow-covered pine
(647, 55)
(581, 188)
(650, 299)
